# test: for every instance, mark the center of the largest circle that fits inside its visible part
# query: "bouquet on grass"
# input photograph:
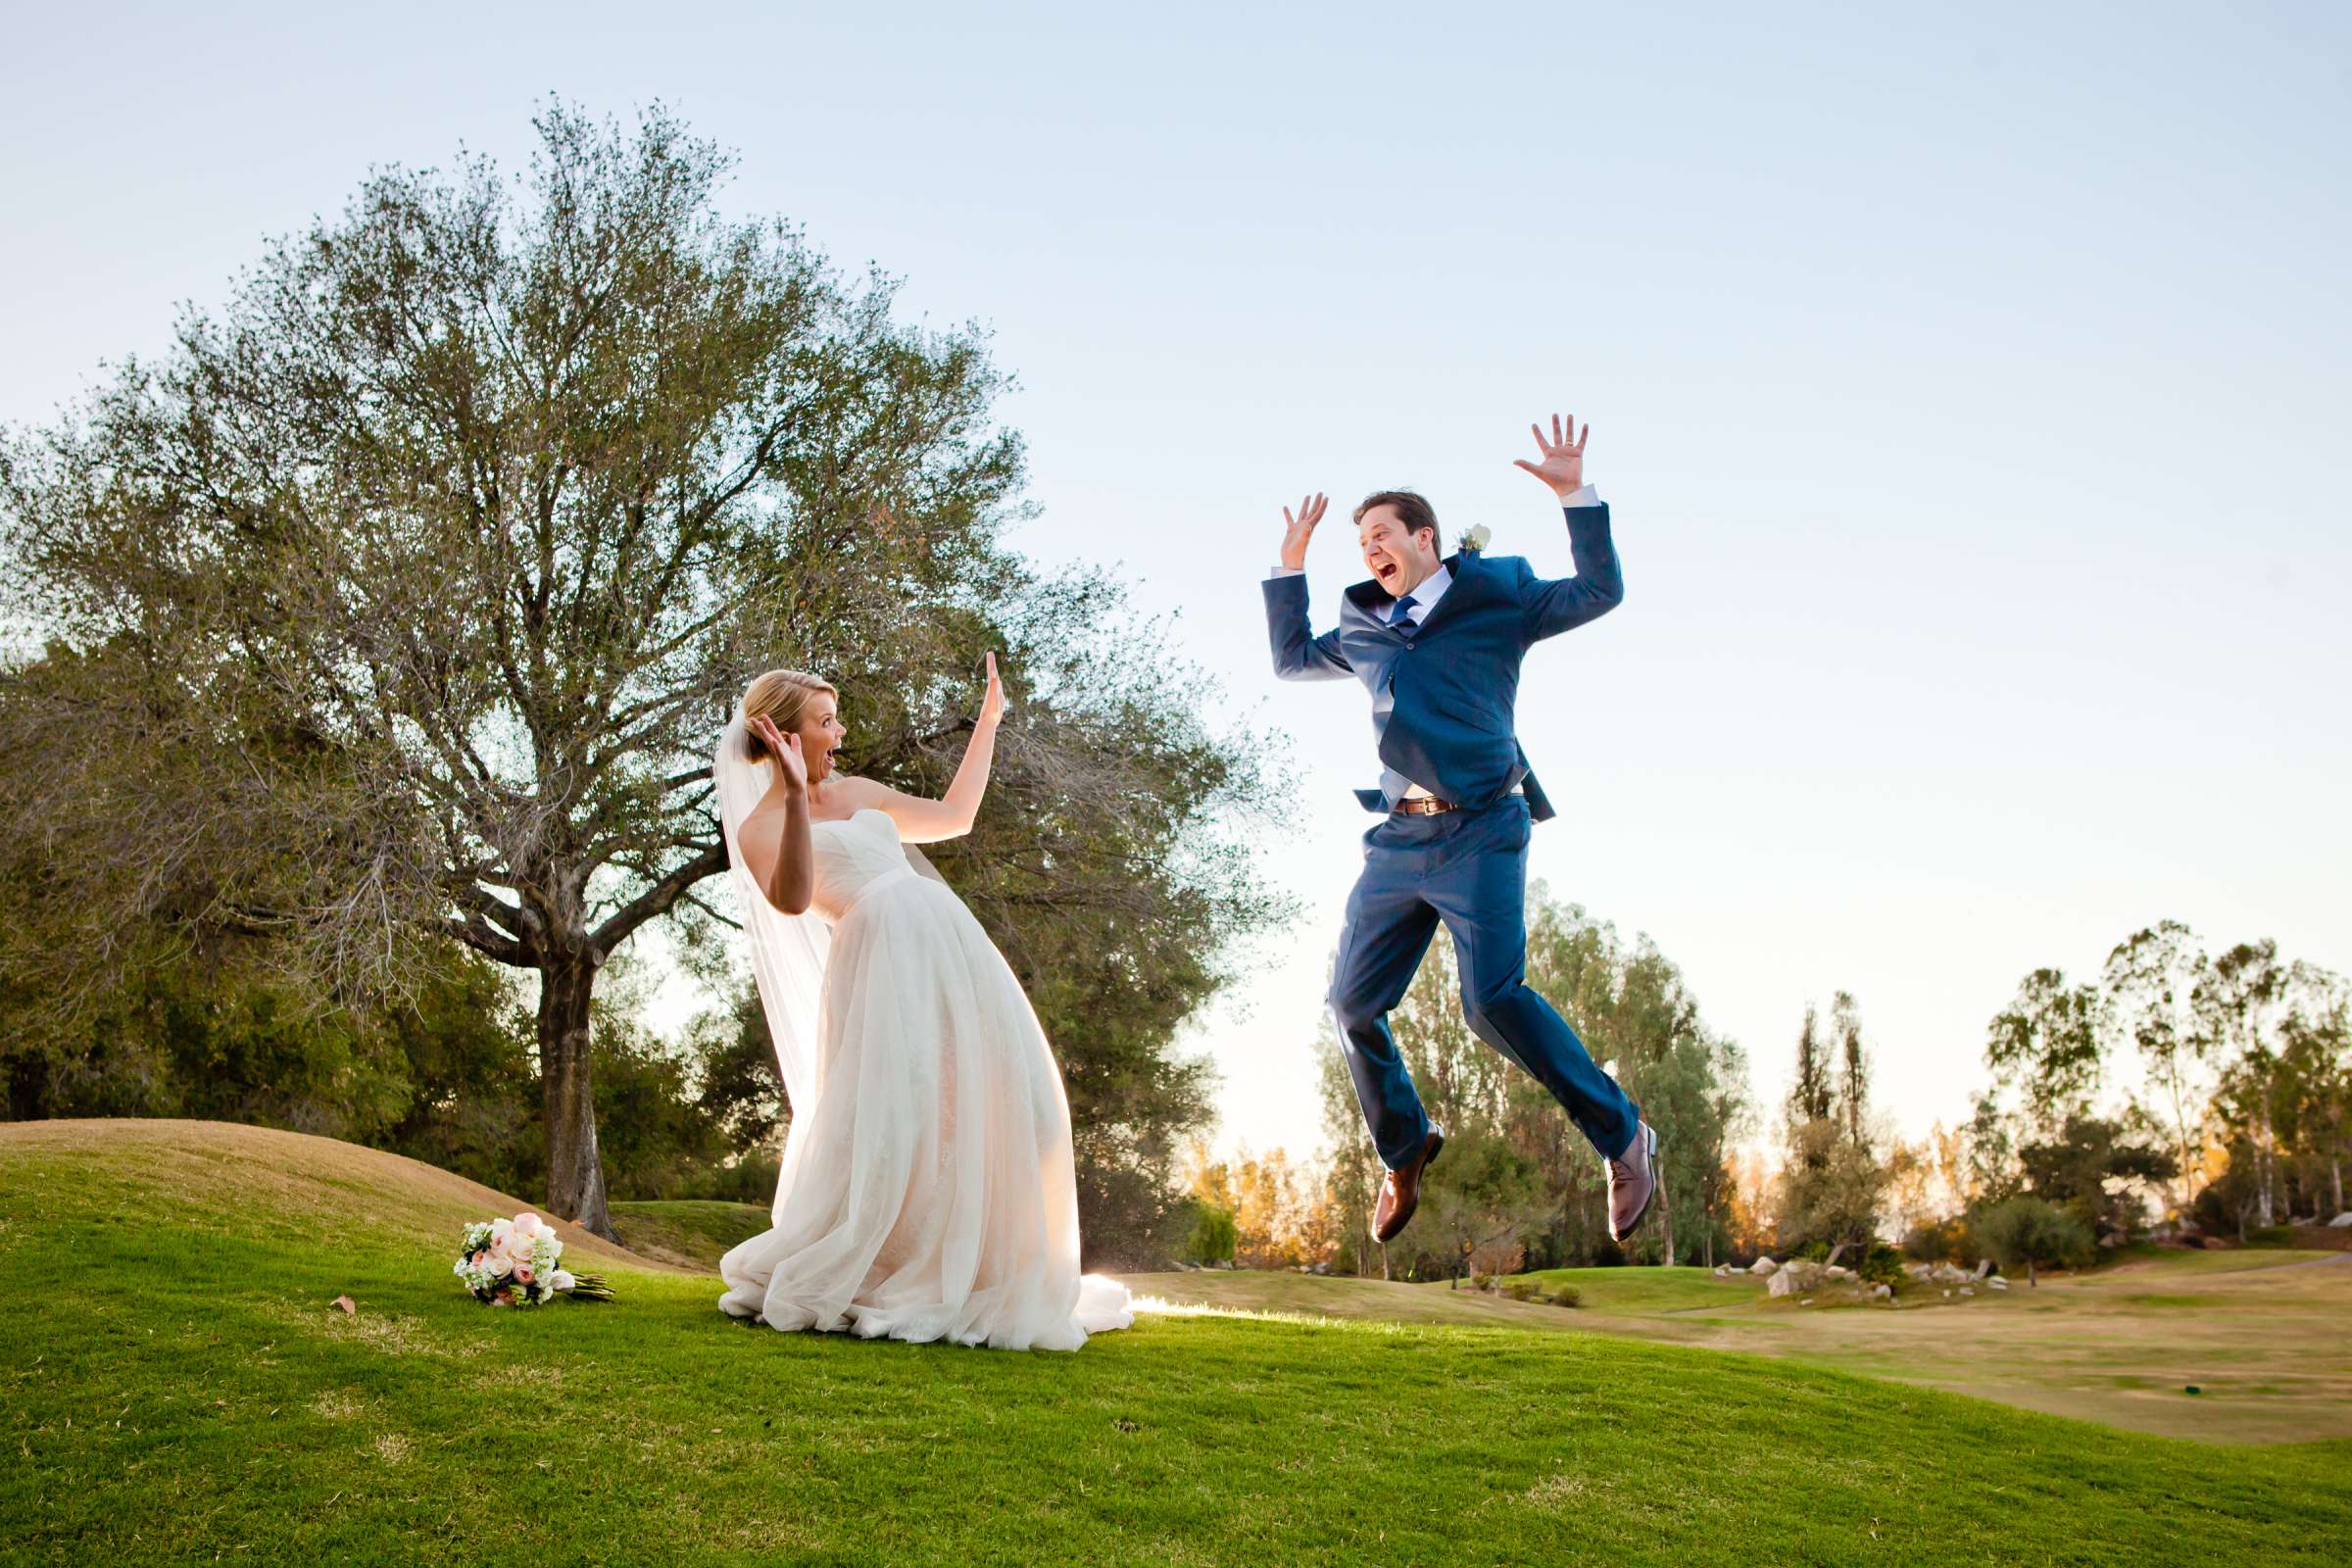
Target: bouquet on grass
(512, 1262)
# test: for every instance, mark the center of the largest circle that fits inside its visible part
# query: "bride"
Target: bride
(927, 1190)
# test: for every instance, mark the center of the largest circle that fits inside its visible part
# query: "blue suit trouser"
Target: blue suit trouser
(1469, 869)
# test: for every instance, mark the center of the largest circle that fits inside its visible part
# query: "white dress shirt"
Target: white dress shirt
(1429, 590)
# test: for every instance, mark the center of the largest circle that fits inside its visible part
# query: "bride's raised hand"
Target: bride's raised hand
(792, 768)
(992, 704)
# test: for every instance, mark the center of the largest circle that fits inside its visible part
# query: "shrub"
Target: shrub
(1937, 1241)
(1482, 1282)
(2031, 1231)
(1567, 1296)
(1881, 1265)
(1212, 1236)
(1521, 1290)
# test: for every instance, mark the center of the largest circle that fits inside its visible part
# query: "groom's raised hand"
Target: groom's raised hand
(1563, 465)
(1297, 530)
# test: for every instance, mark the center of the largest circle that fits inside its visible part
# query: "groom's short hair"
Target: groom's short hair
(1412, 508)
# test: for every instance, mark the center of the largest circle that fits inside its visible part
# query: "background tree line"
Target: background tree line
(2197, 1092)
(374, 639)
(2180, 1089)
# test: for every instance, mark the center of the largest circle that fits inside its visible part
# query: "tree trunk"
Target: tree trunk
(2336, 1171)
(2262, 1161)
(575, 1168)
(1665, 1213)
(2030, 1279)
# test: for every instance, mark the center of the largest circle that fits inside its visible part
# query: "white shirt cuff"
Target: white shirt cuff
(1582, 496)
(1286, 571)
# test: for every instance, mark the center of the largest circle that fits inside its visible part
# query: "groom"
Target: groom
(1438, 644)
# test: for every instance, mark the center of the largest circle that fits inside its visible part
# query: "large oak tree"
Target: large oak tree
(408, 593)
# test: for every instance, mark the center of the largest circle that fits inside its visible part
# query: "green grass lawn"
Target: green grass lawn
(1644, 1292)
(178, 1389)
(2260, 1332)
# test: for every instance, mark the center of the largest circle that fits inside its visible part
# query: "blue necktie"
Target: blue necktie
(1394, 784)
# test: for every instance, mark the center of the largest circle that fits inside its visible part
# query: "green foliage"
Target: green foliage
(2088, 1166)
(1937, 1241)
(1882, 1265)
(1521, 1290)
(2029, 1232)
(1213, 1237)
(1567, 1296)
(2245, 1048)
(2049, 1043)
(1832, 1176)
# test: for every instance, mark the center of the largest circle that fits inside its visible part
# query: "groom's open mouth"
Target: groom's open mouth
(1386, 571)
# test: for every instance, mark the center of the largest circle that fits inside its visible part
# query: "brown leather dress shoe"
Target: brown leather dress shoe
(1400, 1193)
(1633, 1182)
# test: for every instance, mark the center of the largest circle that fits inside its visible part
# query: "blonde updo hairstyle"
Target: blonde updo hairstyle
(779, 696)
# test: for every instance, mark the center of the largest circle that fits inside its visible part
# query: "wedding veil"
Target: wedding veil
(788, 951)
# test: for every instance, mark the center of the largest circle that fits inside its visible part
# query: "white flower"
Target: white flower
(1476, 538)
(560, 1280)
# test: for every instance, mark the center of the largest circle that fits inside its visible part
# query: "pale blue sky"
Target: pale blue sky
(1966, 390)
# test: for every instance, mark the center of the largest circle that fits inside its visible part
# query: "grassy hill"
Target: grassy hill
(178, 1388)
(690, 1232)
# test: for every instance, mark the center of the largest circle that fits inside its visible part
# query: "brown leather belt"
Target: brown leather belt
(1425, 806)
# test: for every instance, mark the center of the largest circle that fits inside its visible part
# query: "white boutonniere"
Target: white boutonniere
(1476, 538)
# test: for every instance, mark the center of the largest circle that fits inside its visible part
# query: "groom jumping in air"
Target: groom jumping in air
(1438, 644)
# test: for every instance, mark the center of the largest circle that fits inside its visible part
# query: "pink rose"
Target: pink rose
(523, 1273)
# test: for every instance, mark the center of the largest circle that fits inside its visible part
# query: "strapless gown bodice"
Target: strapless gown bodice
(855, 856)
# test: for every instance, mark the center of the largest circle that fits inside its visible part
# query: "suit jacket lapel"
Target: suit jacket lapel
(1469, 581)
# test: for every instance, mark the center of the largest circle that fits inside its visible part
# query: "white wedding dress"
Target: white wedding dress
(927, 1190)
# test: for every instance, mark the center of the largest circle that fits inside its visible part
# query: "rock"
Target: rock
(1839, 1271)
(2112, 1239)
(1795, 1277)
(1919, 1271)
(1967, 1290)
(2342, 1221)
(1996, 1283)
(1762, 1266)
(1947, 1296)
(1946, 1274)
(1883, 1292)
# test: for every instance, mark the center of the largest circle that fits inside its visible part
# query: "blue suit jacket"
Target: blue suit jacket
(1455, 679)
